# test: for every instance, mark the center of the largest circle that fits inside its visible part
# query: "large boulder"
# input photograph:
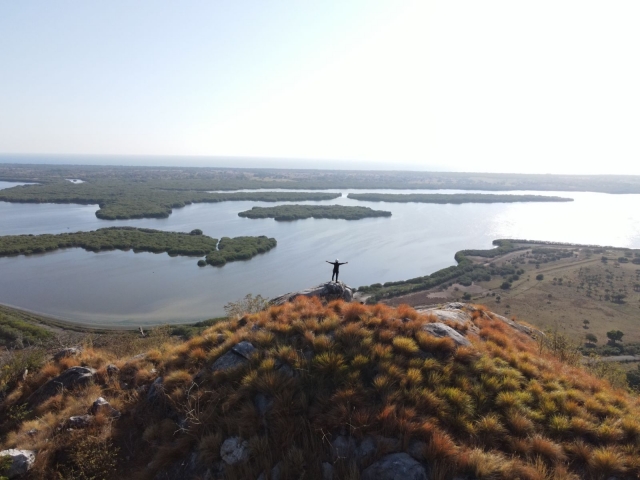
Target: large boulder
(452, 312)
(326, 291)
(461, 313)
(397, 466)
(68, 380)
(238, 355)
(441, 330)
(21, 462)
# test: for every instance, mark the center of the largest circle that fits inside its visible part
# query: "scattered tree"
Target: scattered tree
(591, 338)
(540, 277)
(249, 304)
(615, 336)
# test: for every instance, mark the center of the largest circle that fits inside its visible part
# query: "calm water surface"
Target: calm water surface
(125, 288)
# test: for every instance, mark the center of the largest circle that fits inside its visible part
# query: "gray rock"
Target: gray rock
(327, 471)
(237, 356)
(397, 466)
(68, 380)
(366, 449)
(342, 447)
(244, 349)
(21, 461)
(112, 369)
(441, 330)
(155, 390)
(234, 450)
(104, 407)
(79, 421)
(326, 291)
(67, 352)
(445, 314)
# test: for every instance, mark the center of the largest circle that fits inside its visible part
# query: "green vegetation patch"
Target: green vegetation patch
(141, 240)
(239, 248)
(16, 332)
(299, 212)
(456, 198)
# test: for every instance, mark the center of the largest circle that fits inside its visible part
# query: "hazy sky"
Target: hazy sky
(544, 86)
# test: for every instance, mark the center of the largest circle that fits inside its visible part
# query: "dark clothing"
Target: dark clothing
(336, 269)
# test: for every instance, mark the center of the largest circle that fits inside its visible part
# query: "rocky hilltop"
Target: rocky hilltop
(325, 291)
(316, 387)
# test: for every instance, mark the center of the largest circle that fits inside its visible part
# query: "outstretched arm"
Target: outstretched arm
(328, 261)
(343, 263)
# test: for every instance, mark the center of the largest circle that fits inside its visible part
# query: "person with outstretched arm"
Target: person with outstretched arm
(336, 268)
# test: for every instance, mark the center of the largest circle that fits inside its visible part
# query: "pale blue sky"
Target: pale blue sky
(547, 86)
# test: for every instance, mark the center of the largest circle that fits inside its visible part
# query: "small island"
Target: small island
(193, 243)
(456, 198)
(239, 248)
(298, 212)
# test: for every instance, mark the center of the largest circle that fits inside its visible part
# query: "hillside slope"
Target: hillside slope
(338, 390)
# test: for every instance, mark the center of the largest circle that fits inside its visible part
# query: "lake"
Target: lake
(125, 288)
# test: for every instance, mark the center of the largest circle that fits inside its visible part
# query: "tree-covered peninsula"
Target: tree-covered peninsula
(456, 198)
(141, 240)
(299, 212)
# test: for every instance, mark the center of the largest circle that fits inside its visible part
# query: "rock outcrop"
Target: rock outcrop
(461, 313)
(238, 355)
(441, 330)
(21, 462)
(68, 380)
(326, 291)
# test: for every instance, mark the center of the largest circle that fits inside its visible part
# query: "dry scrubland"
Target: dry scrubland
(574, 288)
(503, 408)
(564, 299)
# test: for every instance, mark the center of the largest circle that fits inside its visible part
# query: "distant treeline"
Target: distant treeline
(456, 198)
(153, 192)
(127, 199)
(298, 212)
(212, 178)
(465, 272)
(141, 240)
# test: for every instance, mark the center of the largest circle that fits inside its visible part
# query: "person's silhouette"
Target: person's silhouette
(336, 268)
